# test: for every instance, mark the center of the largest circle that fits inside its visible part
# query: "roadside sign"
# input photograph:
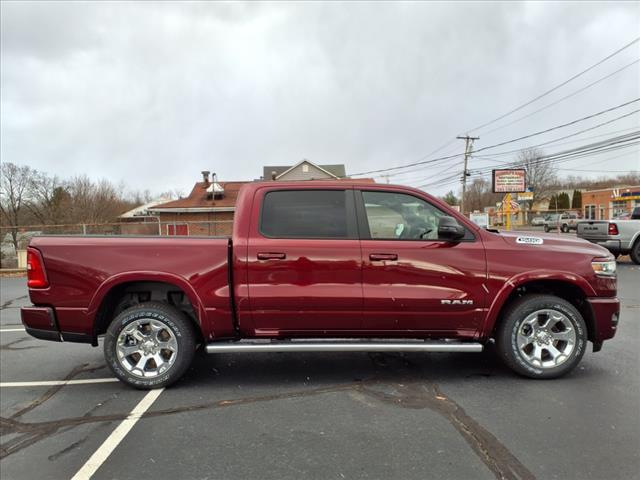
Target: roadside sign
(480, 219)
(509, 181)
(525, 196)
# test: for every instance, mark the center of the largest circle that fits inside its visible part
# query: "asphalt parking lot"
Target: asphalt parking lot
(316, 415)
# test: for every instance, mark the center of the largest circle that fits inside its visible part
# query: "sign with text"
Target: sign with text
(509, 181)
(480, 219)
(525, 196)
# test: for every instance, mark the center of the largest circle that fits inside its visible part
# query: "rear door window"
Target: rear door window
(320, 214)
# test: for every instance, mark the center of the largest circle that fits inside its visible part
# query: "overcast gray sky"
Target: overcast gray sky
(152, 93)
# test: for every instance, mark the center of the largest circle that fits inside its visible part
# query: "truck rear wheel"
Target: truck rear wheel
(150, 345)
(542, 336)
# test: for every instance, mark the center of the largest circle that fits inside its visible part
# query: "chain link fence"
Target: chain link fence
(10, 256)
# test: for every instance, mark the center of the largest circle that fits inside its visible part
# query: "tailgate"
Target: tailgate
(593, 230)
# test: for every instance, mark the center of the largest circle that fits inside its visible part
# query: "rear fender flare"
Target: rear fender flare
(520, 279)
(146, 276)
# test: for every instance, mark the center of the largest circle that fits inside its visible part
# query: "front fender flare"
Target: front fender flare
(526, 277)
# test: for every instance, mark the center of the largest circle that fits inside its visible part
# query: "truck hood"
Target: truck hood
(553, 241)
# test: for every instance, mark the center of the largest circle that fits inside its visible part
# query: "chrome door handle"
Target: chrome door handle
(379, 257)
(271, 256)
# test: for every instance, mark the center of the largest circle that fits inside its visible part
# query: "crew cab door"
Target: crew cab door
(304, 262)
(412, 280)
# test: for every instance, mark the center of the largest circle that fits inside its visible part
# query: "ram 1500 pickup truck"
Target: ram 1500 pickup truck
(620, 237)
(325, 266)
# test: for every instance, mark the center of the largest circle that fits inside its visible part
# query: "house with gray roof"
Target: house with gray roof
(304, 170)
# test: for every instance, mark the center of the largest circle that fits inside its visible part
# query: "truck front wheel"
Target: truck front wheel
(541, 336)
(150, 345)
(635, 253)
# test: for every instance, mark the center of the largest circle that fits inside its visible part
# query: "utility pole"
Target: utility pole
(468, 144)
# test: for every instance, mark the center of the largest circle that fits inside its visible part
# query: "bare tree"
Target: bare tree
(15, 189)
(479, 194)
(49, 200)
(541, 176)
(95, 202)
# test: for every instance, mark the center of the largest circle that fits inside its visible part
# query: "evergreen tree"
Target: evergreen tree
(564, 203)
(576, 202)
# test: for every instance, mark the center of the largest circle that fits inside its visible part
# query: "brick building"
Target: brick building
(608, 203)
(210, 207)
(207, 210)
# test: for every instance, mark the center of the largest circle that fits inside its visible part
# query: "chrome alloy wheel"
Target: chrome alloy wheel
(147, 348)
(546, 338)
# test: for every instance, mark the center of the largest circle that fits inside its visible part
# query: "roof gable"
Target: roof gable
(332, 171)
(311, 167)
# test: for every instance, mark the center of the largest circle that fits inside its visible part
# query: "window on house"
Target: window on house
(590, 212)
(308, 214)
(619, 207)
(179, 229)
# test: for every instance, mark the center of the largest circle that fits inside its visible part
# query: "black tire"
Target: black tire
(635, 253)
(176, 323)
(546, 228)
(565, 228)
(513, 320)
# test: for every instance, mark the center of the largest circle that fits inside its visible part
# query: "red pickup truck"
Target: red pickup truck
(325, 266)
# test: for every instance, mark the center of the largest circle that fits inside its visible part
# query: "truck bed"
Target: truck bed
(82, 269)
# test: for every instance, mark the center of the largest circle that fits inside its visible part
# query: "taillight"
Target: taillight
(613, 229)
(36, 276)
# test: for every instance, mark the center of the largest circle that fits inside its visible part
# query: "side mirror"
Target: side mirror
(450, 229)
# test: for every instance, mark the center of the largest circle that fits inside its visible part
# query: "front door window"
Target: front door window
(398, 216)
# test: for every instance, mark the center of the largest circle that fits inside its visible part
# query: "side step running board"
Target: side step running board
(342, 346)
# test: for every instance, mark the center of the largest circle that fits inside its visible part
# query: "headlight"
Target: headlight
(604, 268)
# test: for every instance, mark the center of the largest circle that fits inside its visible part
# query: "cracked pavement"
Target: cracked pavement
(314, 415)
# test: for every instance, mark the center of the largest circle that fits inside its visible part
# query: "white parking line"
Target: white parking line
(50, 383)
(2, 330)
(113, 440)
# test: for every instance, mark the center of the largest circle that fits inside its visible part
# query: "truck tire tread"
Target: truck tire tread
(181, 326)
(516, 312)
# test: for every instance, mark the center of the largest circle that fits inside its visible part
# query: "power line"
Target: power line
(612, 144)
(520, 107)
(508, 152)
(563, 125)
(565, 156)
(596, 171)
(563, 98)
(450, 142)
(434, 160)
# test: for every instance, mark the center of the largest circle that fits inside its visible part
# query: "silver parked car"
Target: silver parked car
(537, 221)
(563, 221)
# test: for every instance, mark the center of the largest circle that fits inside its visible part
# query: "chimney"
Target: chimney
(273, 175)
(205, 177)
